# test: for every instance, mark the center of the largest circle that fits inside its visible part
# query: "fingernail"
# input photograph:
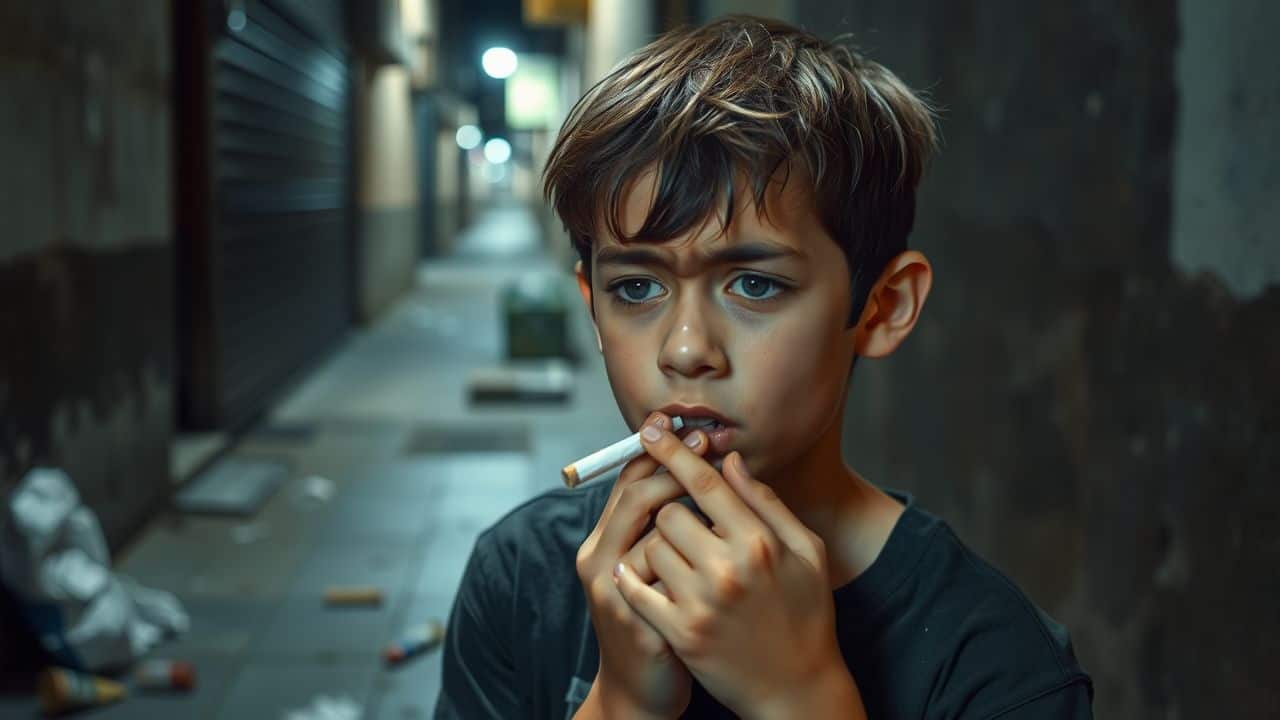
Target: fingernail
(651, 433)
(693, 440)
(618, 570)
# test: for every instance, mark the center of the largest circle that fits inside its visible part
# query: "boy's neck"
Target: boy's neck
(852, 516)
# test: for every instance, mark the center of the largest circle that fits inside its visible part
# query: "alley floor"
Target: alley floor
(392, 474)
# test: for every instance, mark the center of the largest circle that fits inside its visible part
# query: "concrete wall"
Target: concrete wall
(388, 246)
(86, 269)
(615, 28)
(1091, 412)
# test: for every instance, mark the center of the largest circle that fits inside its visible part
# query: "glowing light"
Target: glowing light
(499, 62)
(497, 151)
(468, 137)
(495, 173)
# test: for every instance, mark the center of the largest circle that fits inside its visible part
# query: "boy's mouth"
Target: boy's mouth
(719, 430)
(702, 423)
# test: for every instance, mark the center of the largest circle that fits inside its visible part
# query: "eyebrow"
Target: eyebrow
(751, 252)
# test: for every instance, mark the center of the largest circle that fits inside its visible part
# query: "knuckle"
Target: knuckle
(761, 553)
(766, 493)
(691, 641)
(704, 480)
(628, 497)
(726, 585)
(648, 642)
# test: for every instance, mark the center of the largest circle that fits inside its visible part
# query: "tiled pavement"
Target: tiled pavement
(380, 421)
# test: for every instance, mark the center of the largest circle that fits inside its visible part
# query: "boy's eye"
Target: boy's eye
(755, 287)
(637, 290)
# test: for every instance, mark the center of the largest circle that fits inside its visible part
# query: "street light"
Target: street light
(468, 137)
(497, 151)
(499, 62)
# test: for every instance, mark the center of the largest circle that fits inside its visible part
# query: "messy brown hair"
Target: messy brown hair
(755, 95)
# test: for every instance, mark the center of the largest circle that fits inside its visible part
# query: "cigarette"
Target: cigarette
(602, 461)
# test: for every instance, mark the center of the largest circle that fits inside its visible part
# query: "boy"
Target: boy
(741, 195)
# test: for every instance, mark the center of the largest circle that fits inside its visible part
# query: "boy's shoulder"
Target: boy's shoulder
(549, 522)
(936, 603)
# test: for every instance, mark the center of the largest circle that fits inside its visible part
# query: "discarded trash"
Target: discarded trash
(415, 642)
(527, 382)
(62, 690)
(317, 488)
(157, 674)
(357, 595)
(327, 708)
(54, 561)
(249, 533)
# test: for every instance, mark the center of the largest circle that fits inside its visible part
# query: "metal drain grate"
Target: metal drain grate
(443, 440)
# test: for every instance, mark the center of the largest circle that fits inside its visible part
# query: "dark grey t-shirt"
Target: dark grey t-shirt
(930, 630)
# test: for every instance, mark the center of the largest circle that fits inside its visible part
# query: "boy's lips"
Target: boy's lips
(720, 436)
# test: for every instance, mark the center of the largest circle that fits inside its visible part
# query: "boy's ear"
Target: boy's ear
(584, 288)
(894, 305)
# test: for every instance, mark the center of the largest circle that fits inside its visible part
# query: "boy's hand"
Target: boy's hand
(639, 674)
(747, 604)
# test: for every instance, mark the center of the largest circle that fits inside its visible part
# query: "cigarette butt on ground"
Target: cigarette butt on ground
(62, 690)
(416, 641)
(158, 674)
(353, 595)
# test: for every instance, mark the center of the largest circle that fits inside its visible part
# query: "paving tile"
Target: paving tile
(259, 571)
(214, 675)
(374, 518)
(408, 691)
(445, 558)
(272, 687)
(341, 561)
(219, 625)
(303, 626)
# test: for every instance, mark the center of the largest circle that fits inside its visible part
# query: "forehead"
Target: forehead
(788, 216)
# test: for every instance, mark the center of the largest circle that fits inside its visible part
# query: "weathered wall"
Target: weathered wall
(1090, 410)
(388, 245)
(86, 324)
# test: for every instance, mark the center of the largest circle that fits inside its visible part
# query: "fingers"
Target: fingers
(769, 507)
(635, 501)
(648, 602)
(640, 467)
(707, 487)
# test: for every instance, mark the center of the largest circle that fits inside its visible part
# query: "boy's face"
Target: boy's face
(750, 324)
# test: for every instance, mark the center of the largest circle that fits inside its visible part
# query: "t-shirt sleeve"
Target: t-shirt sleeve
(1073, 701)
(478, 678)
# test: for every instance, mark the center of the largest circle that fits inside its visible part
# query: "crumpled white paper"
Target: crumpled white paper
(54, 560)
(327, 708)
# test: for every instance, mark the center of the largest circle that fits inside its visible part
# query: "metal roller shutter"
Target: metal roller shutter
(269, 259)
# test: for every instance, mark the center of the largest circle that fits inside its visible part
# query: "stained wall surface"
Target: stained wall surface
(1090, 397)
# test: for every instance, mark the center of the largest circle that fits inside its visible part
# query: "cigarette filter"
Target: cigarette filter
(353, 596)
(602, 461)
(418, 640)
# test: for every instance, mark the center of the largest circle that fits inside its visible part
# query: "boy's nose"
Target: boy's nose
(690, 351)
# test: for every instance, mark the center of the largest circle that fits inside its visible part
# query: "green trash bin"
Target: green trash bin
(536, 315)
